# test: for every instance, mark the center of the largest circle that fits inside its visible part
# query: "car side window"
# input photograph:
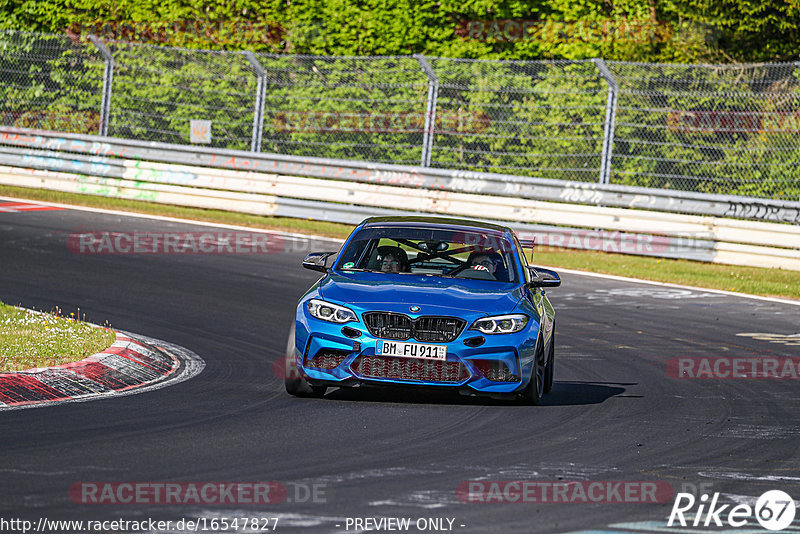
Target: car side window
(522, 259)
(352, 253)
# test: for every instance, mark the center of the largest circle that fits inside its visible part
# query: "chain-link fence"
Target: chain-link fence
(158, 91)
(709, 128)
(706, 128)
(541, 118)
(50, 82)
(369, 109)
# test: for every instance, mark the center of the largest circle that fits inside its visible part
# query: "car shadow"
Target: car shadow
(572, 393)
(577, 393)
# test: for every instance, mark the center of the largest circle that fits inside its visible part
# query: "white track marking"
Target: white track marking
(667, 284)
(183, 221)
(748, 476)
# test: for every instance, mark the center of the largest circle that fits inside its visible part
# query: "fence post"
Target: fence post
(610, 120)
(108, 80)
(430, 112)
(258, 113)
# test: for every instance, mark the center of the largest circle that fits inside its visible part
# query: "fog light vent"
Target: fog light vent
(495, 370)
(475, 341)
(326, 359)
(351, 332)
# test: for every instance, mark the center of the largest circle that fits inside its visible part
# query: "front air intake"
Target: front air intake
(326, 359)
(412, 369)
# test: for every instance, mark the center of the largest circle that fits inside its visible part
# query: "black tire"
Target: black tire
(551, 362)
(532, 394)
(295, 384)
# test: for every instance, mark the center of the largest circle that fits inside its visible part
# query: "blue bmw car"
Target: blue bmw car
(425, 302)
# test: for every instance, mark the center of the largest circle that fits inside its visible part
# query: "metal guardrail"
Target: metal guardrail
(347, 191)
(729, 206)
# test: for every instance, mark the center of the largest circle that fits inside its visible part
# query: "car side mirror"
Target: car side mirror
(541, 277)
(318, 261)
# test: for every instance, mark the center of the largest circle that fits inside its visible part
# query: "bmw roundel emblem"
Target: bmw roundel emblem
(414, 309)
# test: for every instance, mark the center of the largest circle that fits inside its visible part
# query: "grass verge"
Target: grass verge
(30, 340)
(753, 280)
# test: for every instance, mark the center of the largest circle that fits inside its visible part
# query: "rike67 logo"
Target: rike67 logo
(774, 510)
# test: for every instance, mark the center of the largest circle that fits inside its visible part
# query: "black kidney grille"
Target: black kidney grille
(389, 325)
(428, 328)
(438, 329)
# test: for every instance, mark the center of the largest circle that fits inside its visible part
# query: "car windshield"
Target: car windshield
(434, 252)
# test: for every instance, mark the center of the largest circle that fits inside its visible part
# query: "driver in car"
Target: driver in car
(483, 262)
(394, 261)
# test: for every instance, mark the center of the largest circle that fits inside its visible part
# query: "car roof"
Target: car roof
(434, 222)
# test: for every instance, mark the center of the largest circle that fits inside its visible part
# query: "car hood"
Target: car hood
(433, 294)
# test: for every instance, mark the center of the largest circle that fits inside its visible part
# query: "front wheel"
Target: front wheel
(551, 362)
(532, 394)
(295, 384)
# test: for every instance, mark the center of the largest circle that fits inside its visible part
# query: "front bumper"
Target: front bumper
(500, 366)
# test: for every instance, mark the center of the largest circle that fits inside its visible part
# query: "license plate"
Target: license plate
(411, 350)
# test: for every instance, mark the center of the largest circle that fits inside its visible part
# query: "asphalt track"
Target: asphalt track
(614, 413)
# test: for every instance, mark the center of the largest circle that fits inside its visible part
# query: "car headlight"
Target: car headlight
(330, 312)
(501, 324)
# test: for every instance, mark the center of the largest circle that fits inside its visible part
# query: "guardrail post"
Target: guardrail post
(258, 113)
(108, 80)
(610, 120)
(430, 112)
